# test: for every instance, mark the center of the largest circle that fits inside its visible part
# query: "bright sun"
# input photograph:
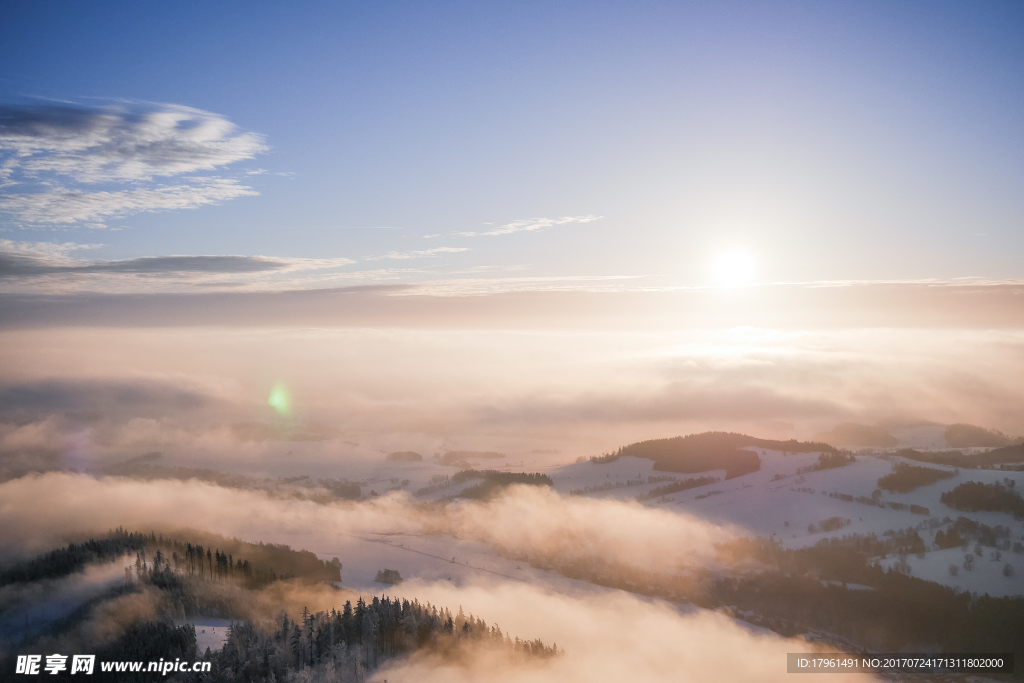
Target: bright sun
(733, 268)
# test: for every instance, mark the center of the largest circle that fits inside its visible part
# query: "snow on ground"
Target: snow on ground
(431, 558)
(210, 633)
(763, 505)
(986, 575)
(784, 507)
(621, 474)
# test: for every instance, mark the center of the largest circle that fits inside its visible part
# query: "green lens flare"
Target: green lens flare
(279, 400)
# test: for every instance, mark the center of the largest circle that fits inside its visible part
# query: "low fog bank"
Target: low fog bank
(613, 637)
(80, 398)
(44, 511)
(28, 609)
(607, 635)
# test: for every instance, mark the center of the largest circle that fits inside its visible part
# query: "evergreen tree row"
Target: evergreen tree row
(272, 562)
(345, 645)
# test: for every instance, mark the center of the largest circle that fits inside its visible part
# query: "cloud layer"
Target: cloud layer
(85, 395)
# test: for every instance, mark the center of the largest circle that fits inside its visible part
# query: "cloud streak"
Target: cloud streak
(43, 265)
(529, 225)
(65, 206)
(423, 253)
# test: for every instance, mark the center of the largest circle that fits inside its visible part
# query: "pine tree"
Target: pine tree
(284, 626)
(296, 644)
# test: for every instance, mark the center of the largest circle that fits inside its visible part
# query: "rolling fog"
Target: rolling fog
(608, 635)
(79, 398)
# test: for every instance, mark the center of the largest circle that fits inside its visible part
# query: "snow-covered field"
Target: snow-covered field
(433, 558)
(986, 575)
(210, 633)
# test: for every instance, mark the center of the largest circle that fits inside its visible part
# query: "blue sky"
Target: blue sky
(611, 145)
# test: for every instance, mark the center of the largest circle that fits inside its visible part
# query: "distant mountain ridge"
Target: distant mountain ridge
(711, 451)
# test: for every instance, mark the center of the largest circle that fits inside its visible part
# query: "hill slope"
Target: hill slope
(711, 451)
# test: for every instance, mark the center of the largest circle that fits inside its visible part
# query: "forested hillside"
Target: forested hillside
(192, 552)
(710, 451)
(1008, 455)
(271, 638)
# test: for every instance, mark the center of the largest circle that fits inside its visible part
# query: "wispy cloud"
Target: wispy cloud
(529, 225)
(55, 252)
(122, 142)
(423, 253)
(64, 206)
(54, 147)
(495, 285)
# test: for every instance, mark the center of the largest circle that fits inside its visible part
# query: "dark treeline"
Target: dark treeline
(828, 461)
(343, 489)
(676, 487)
(146, 641)
(267, 561)
(72, 558)
(905, 478)
(347, 644)
(876, 501)
(142, 641)
(494, 480)
(404, 456)
(463, 457)
(998, 456)
(972, 496)
(709, 451)
(966, 436)
(842, 558)
(145, 467)
(335, 645)
(964, 530)
(389, 576)
(901, 613)
(219, 558)
(503, 478)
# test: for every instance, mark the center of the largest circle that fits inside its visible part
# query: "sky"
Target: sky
(527, 227)
(482, 148)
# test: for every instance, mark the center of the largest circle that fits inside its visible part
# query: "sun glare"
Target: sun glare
(733, 268)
